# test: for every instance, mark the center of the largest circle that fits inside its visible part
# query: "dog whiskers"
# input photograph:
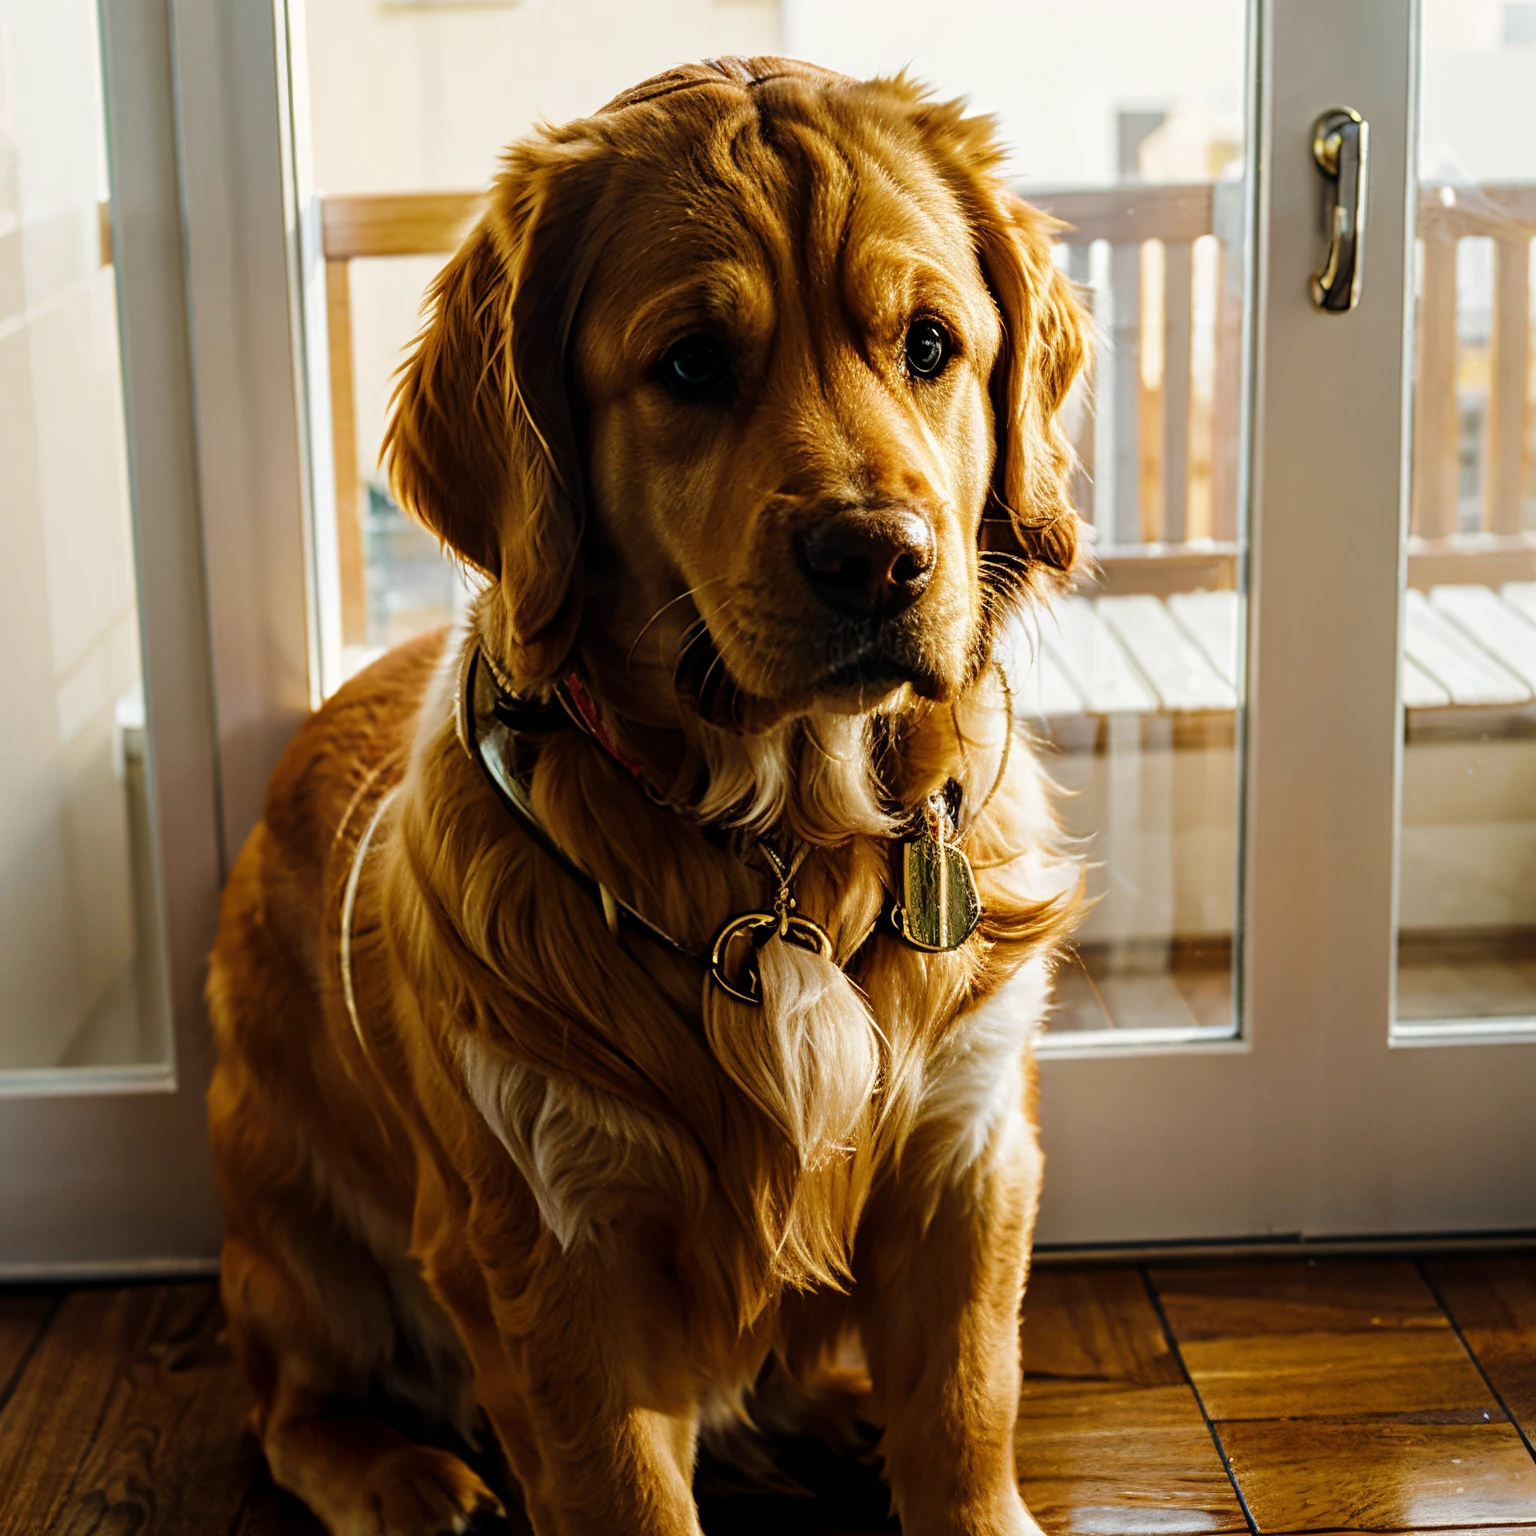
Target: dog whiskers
(629, 655)
(691, 636)
(719, 661)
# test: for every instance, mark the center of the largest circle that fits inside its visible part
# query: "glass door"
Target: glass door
(1134, 684)
(1142, 147)
(1467, 875)
(109, 793)
(80, 939)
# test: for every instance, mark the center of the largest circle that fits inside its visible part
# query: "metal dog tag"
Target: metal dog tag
(940, 905)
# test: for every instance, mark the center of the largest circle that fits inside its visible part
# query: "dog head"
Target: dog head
(746, 386)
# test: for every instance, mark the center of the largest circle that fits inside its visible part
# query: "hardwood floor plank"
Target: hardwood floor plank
(1111, 1438)
(1344, 1399)
(1087, 1482)
(23, 1315)
(1095, 1325)
(1407, 1371)
(1295, 1296)
(1493, 1301)
(1301, 1476)
(129, 1417)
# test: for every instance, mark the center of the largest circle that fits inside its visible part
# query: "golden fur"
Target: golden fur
(554, 1175)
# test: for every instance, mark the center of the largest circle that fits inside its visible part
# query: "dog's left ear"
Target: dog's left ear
(1045, 344)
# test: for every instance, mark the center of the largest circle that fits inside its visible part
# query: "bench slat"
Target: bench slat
(1505, 633)
(1043, 690)
(1521, 596)
(1466, 671)
(1210, 620)
(1420, 690)
(1094, 661)
(1174, 665)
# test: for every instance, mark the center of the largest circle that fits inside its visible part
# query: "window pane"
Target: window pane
(1467, 939)
(79, 932)
(1137, 142)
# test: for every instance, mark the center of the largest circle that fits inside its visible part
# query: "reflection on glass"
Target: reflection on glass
(1137, 143)
(1467, 919)
(79, 940)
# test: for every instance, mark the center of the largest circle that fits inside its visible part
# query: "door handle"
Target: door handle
(1341, 142)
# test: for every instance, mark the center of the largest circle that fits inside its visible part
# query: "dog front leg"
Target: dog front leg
(628, 1468)
(586, 1388)
(940, 1310)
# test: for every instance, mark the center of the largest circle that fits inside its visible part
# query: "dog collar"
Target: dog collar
(503, 735)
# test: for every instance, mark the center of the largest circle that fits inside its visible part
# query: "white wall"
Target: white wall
(1054, 74)
(415, 96)
(1477, 105)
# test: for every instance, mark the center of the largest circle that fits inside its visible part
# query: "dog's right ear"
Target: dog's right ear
(481, 440)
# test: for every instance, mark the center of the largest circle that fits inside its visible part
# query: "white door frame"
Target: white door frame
(246, 309)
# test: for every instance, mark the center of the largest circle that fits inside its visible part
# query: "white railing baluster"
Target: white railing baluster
(1178, 317)
(1080, 270)
(1227, 215)
(1122, 525)
(1508, 385)
(1437, 424)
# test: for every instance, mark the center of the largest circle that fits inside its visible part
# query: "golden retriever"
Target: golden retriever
(742, 399)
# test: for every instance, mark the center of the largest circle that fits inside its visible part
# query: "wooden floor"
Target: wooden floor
(1316, 1396)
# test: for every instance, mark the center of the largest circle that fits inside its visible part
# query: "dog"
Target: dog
(625, 1004)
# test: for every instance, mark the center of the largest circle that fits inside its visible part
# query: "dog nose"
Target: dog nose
(868, 563)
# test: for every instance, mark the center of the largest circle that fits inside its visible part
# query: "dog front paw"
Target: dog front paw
(419, 1491)
(1005, 1515)
(1019, 1521)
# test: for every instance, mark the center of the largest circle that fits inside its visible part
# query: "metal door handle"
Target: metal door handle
(1341, 146)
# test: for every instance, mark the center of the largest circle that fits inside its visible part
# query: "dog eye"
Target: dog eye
(695, 369)
(928, 349)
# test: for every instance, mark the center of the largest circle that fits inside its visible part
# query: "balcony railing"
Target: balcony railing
(1501, 350)
(1137, 678)
(1159, 434)
(1164, 437)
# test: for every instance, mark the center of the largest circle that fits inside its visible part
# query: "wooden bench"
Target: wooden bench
(1135, 697)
